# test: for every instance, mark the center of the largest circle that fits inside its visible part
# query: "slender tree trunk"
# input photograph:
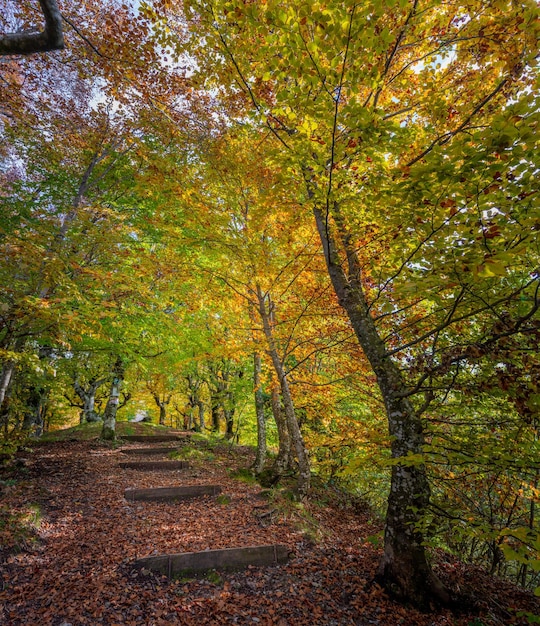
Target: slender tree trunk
(108, 432)
(260, 458)
(194, 384)
(5, 379)
(304, 471)
(404, 569)
(215, 407)
(229, 423)
(200, 406)
(8, 370)
(283, 459)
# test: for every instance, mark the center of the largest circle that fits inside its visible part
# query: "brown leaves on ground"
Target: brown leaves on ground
(79, 571)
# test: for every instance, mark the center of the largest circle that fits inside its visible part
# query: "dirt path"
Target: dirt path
(80, 572)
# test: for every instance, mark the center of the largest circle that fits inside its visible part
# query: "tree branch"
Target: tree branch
(51, 38)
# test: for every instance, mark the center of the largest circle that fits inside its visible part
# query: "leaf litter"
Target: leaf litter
(75, 567)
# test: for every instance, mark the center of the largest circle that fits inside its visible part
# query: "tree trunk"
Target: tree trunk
(8, 370)
(229, 423)
(260, 457)
(283, 459)
(304, 471)
(194, 385)
(200, 406)
(88, 397)
(216, 419)
(162, 413)
(5, 379)
(108, 432)
(404, 569)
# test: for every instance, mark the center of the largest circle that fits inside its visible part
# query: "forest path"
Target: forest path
(80, 570)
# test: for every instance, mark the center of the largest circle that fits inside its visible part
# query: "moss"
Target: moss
(108, 434)
(223, 499)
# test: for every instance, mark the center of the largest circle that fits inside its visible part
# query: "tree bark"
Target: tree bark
(51, 38)
(215, 408)
(404, 569)
(304, 470)
(260, 457)
(88, 398)
(33, 417)
(108, 432)
(194, 386)
(283, 459)
(5, 379)
(200, 406)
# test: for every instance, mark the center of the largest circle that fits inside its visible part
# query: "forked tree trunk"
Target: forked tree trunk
(304, 470)
(162, 404)
(88, 397)
(108, 432)
(404, 569)
(260, 457)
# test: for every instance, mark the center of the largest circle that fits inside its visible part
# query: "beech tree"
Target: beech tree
(415, 113)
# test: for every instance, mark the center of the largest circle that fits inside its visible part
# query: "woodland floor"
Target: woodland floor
(75, 567)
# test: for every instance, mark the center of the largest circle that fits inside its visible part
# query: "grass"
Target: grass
(244, 475)
(86, 432)
(192, 453)
(18, 528)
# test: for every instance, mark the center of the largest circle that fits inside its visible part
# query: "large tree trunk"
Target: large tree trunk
(108, 432)
(304, 470)
(404, 569)
(260, 458)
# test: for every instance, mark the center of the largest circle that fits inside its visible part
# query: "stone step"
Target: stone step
(154, 465)
(147, 451)
(157, 438)
(185, 492)
(228, 559)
